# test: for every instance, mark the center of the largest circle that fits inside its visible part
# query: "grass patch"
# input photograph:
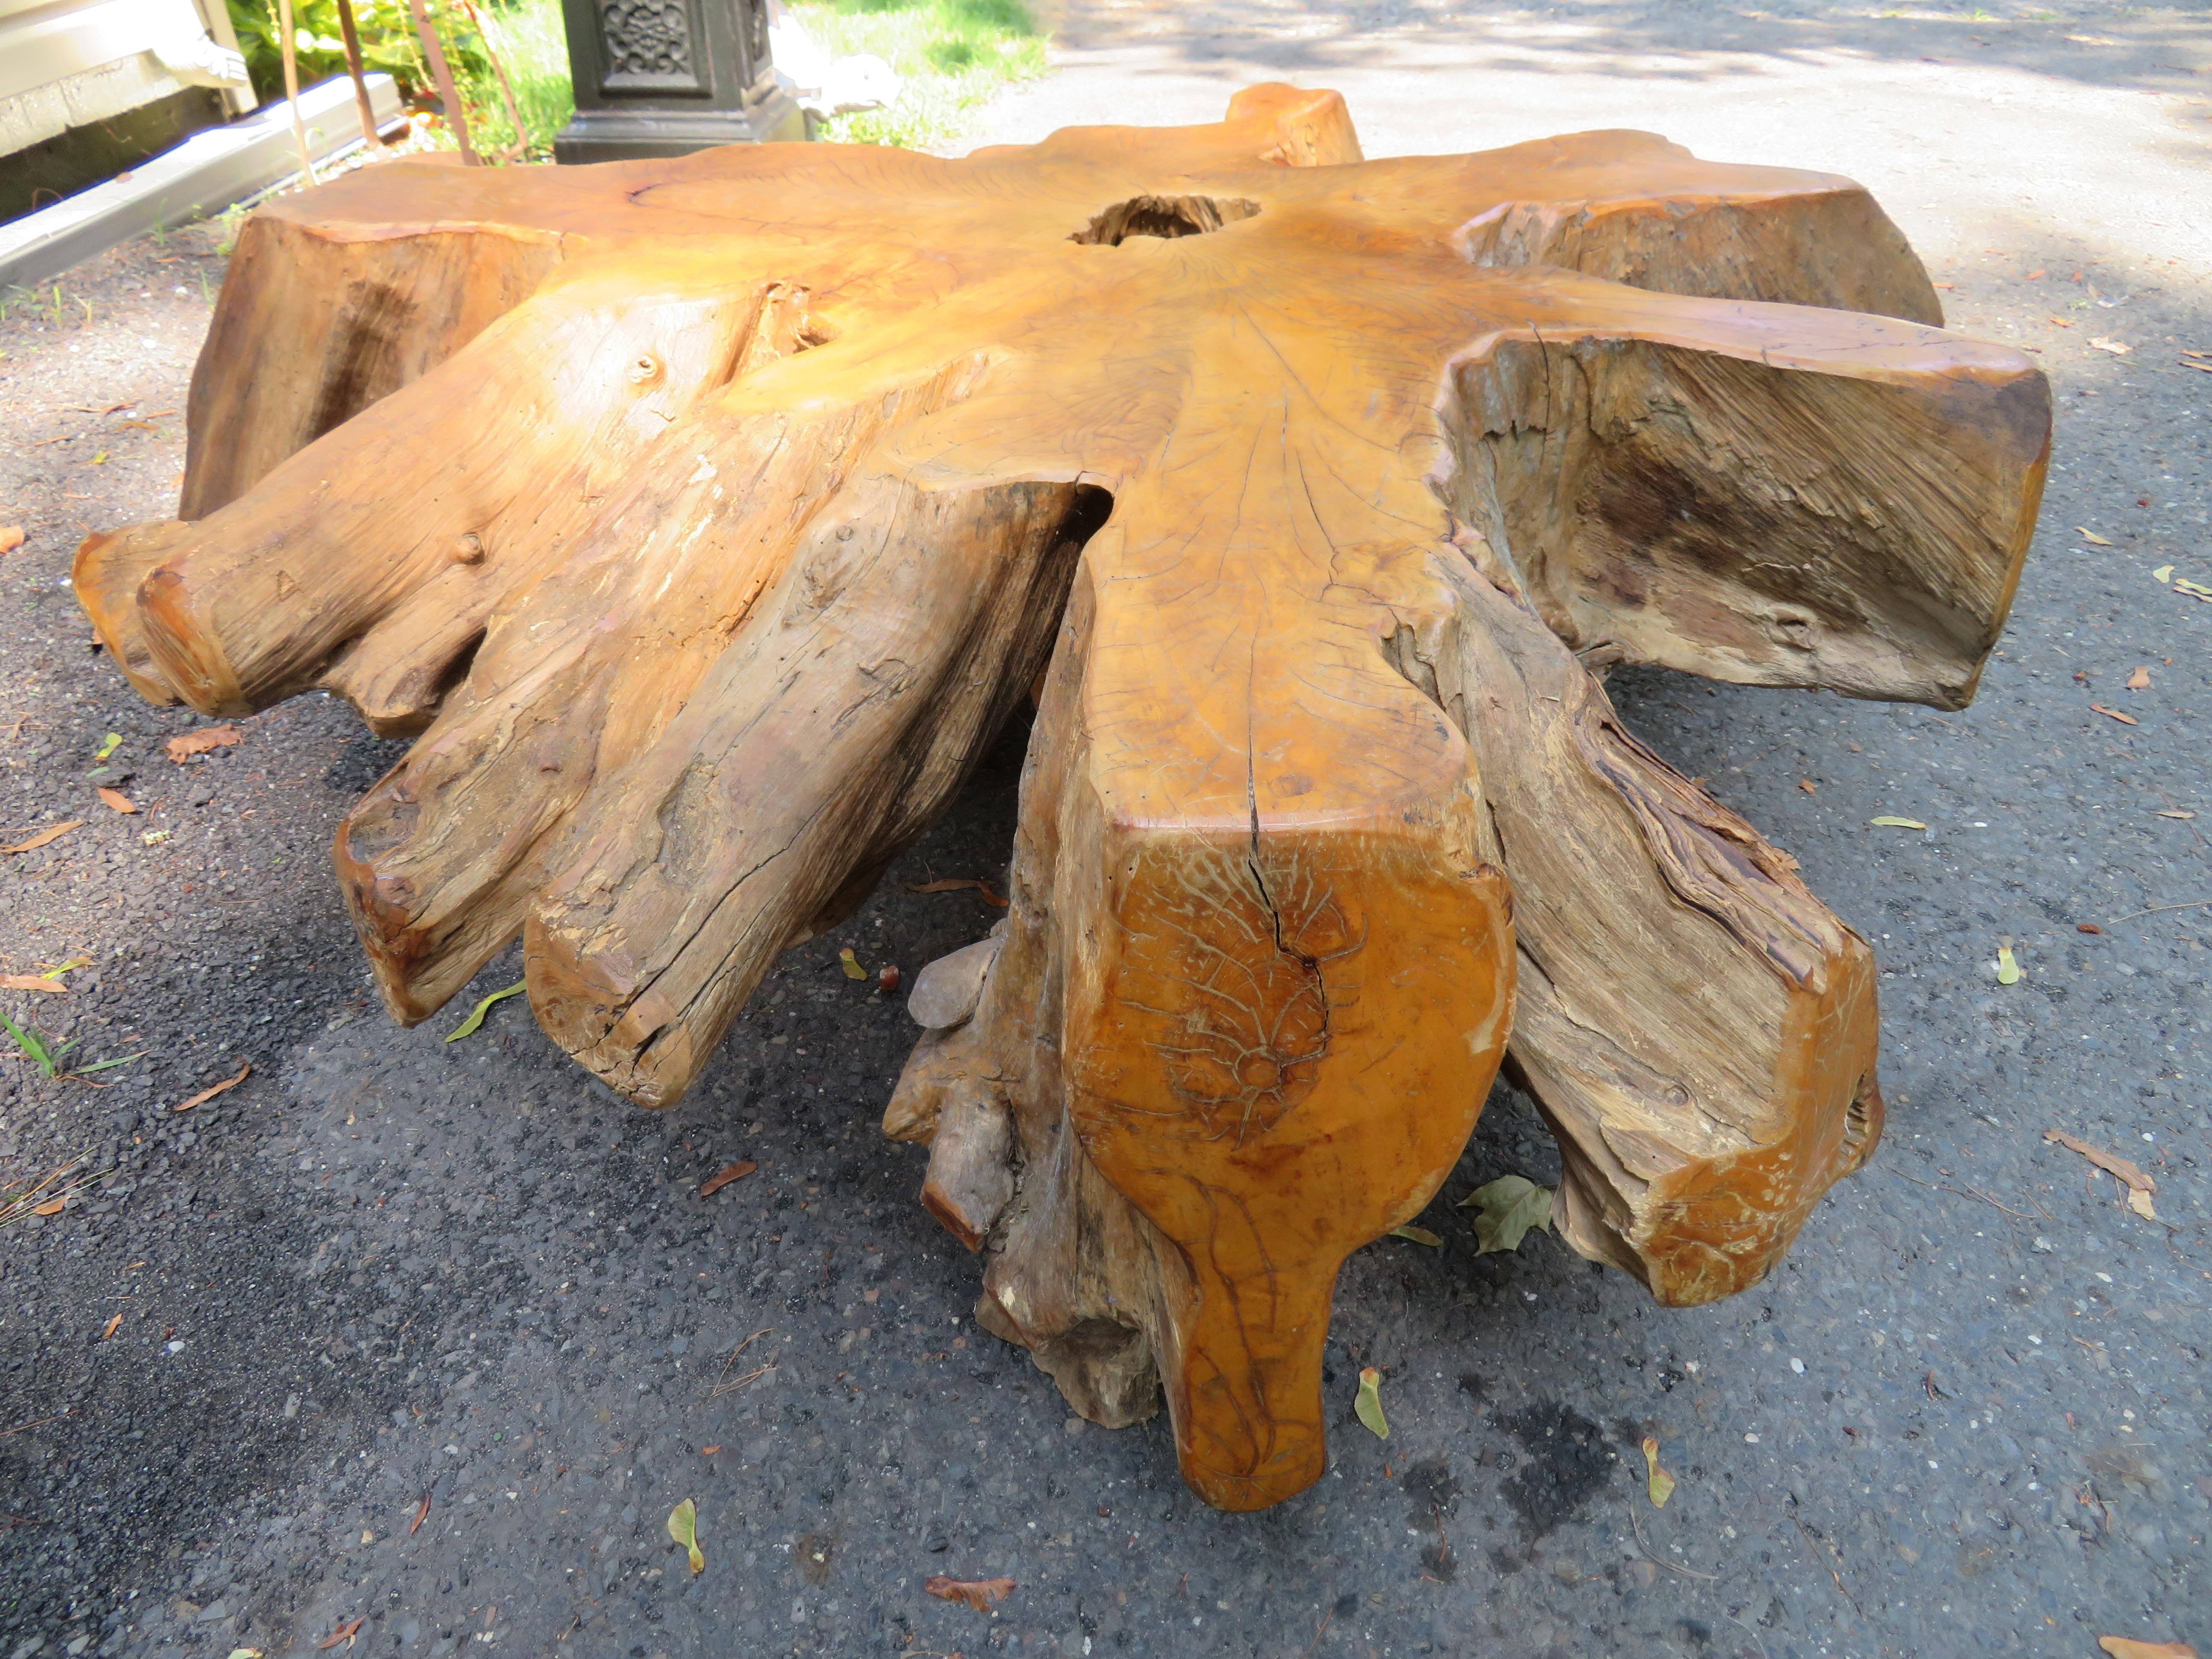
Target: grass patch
(955, 55)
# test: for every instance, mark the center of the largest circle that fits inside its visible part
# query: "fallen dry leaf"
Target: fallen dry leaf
(118, 801)
(2113, 714)
(1808, 785)
(2007, 966)
(111, 1327)
(2118, 348)
(1887, 823)
(1367, 1404)
(2140, 680)
(956, 884)
(52, 1206)
(1660, 1483)
(851, 964)
(684, 1528)
(342, 1633)
(2060, 322)
(208, 1094)
(2034, 277)
(2122, 1647)
(1510, 1205)
(44, 836)
(2086, 927)
(977, 1593)
(52, 987)
(11, 537)
(422, 1513)
(2163, 574)
(2090, 536)
(1418, 1235)
(187, 745)
(2176, 812)
(723, 1176)
(2139, 1185)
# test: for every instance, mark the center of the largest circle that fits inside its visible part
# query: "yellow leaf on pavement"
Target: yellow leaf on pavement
(1661, 1484)
(1369, 1405)
(683, 1527)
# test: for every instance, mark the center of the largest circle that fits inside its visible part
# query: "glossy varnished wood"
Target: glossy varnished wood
(706, 517)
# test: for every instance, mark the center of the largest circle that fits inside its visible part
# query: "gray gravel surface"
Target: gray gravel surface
(1969, 1413)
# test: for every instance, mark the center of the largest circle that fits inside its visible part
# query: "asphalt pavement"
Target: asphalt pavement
(421, 1341)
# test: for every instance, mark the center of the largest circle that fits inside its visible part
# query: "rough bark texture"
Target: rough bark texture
(706, 517)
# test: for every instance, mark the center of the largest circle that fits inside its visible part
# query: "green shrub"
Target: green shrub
(527, 34)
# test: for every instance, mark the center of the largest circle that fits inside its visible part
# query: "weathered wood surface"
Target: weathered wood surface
(707, 517)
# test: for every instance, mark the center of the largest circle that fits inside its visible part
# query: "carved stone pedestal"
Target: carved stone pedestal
(668, 77)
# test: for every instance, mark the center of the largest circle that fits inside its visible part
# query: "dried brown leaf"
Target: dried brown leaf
(187, 745)
(2111, 1163)
(111, 1327)
(342, 1633)
(2140, 680)
(32, 982)
(2113, 714)
(52, 1206)
(422, 1513)
(958, 883)
(208, 1094)
(118, 801)
(11, 537)
(723, 1176)
(55, 833)
(2123, 1647)
(977, 1593)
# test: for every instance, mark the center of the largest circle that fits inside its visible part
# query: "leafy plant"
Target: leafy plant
(45, 1053)
(387, 42)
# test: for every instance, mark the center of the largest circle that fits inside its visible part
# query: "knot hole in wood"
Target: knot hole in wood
(1164, 217)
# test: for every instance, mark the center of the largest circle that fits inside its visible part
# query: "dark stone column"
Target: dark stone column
(666, 77)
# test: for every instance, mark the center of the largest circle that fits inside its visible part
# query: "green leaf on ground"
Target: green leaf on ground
(1897, 824)
(103, 1064)
(1511, 1205)
(1419, 1234)
(2008, 967)
(683, 1527)
(852, 964)
(108, 745)
(468, 1026)
(1661, 1484)
(1369, 1405)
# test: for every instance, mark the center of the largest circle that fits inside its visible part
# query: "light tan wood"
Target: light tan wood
(707, 518)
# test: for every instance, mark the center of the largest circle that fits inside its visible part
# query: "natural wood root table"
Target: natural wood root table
(707, 518)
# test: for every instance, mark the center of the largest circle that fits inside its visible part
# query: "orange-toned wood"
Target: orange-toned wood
(707, 517)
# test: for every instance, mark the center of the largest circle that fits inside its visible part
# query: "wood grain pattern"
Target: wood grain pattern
(706, 517)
